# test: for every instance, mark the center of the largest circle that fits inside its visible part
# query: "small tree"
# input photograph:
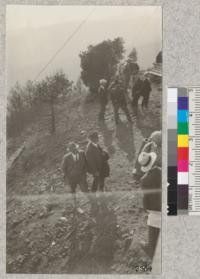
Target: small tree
(50, 88)
(100, 61)
(24, 101)
(30, 94)
(16, 109)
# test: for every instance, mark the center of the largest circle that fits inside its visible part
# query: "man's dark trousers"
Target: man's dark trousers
(145, 100)
(82, 182)
(102, 110)
(124, 109)
(98, 183)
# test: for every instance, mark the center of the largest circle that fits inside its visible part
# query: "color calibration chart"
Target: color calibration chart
(183, 151)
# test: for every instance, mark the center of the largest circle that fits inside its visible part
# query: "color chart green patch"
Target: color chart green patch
(182, 128)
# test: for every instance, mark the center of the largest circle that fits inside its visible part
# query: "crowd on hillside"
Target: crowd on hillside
(94, 160)
(117, 91)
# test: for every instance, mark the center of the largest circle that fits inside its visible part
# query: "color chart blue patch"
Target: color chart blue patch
(182, 103)
(182, 115)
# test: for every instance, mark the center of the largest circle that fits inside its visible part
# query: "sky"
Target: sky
(35, 33)
(21, 16)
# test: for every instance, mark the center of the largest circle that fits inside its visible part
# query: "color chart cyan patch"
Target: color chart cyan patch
(183, 151)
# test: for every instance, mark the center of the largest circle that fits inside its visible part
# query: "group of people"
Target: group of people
(77, 163)
(116, 91)
(94, 160)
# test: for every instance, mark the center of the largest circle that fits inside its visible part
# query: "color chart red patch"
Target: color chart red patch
(183, 153)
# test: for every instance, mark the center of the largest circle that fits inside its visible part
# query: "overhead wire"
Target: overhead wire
(73, 34)
(64, 44)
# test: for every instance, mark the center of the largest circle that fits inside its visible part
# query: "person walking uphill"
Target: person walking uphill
(74, 166)
(103, 98)
(97, 160)
(118, 99)
(136, 93)
(145, 91)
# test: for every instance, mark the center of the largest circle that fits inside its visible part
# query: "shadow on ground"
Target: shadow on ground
(124, 135)
(92, 248)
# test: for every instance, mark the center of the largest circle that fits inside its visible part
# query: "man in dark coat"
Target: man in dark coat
(74, 166)
(145, 91)
(103, 98)
(131, 68)
(118, 99)
(97, 161)
(136, 93)
(127, 75)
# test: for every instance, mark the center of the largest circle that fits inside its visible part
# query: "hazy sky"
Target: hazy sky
(21, 16)
(138, 25)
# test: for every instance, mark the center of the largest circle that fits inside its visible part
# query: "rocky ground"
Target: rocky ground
(45, 233)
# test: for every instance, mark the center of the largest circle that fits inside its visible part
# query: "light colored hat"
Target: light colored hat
(102, 81)
(147, 160)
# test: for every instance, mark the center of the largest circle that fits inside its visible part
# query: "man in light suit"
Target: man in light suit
(97, 161)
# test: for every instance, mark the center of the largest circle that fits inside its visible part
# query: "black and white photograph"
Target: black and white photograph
(84, 139)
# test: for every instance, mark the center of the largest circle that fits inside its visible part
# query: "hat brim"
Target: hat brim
(151, 163)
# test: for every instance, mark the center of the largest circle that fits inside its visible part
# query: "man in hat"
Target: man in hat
(145, 92)
(74, 166)
(127, 73)
(151, 186)
(131, 68)
(118, 99)
(97, 161)
(136, 93)
(103, 98)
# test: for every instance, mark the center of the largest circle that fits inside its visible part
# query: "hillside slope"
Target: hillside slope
(44, 232)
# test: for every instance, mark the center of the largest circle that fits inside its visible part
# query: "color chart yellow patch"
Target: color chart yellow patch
(183, 141)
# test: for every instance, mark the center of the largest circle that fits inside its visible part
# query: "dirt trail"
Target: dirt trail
(44, 233)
